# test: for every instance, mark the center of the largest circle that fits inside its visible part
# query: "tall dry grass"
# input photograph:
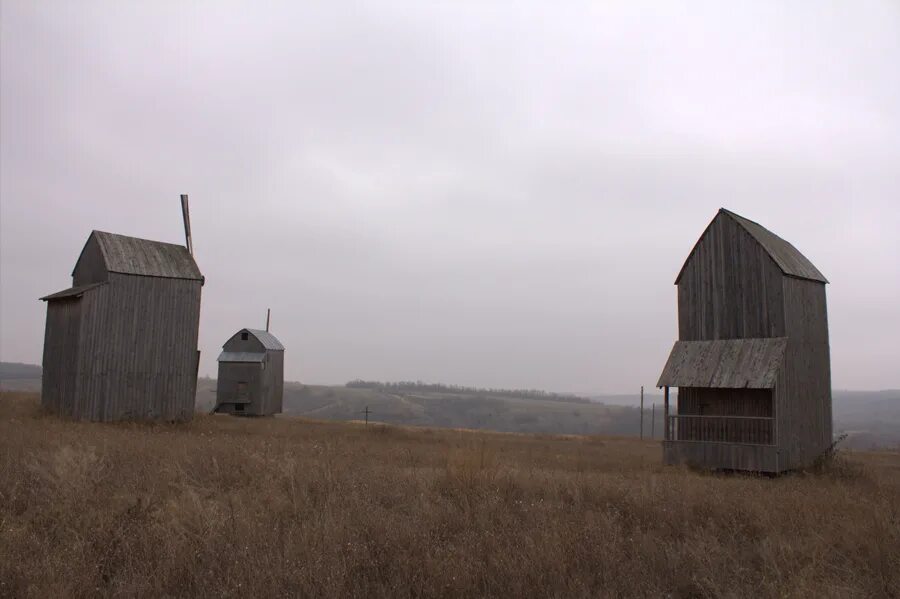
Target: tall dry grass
(282, 507)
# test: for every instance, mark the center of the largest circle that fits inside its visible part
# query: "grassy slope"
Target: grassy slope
(237, 507)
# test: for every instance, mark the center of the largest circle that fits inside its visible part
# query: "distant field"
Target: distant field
(452, 410)
(238, 507)
(870, 419)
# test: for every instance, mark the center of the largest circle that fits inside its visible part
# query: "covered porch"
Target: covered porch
(725, 413)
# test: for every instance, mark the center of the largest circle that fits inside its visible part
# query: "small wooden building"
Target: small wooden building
(251, 374)
(751, 363)
(121, 343)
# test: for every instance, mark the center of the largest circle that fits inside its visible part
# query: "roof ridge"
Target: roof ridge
(789, 260)
(138, 238)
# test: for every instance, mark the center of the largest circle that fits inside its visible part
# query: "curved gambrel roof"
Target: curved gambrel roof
(268, 340)
(788, 258)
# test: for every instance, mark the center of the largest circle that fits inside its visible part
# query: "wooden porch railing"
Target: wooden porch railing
(721, 429)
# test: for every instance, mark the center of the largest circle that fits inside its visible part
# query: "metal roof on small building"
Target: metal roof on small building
(268, 340)
(786, 256)
(724, 363)
(241, 356)
(71, 292)
(135, 256)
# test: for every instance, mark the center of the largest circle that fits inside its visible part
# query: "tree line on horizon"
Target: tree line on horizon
(420, 386)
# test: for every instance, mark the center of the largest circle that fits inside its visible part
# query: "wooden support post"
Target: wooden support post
(642, 412)
(666, 433)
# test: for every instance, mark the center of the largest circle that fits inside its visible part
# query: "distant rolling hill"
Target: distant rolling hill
(870, 419)
(469, 410)
(15, 376)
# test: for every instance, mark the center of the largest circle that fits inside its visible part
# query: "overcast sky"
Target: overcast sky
(495, 195)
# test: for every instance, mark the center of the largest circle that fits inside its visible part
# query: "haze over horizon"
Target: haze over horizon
(461, 194)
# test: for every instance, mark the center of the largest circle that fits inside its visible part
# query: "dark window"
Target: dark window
(245, 336)
(238, 407)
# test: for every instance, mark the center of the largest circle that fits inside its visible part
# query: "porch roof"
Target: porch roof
(724, 363)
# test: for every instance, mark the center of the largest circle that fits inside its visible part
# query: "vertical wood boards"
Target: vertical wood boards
(807, 421)
(727, 456)
(266, 382)
(59, 388)
(732, 288)
(725, 402)
(90, 267)
(718, 301)
(134, 353)
(231, 376)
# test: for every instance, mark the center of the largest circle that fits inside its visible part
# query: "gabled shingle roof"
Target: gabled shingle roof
(135, 256)
(724, 363)
(788, 258)
(268, 340)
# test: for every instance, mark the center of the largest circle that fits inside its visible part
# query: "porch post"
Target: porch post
(666, 415)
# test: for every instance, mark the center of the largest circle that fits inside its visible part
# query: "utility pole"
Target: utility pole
(642, 412)
(366, 411)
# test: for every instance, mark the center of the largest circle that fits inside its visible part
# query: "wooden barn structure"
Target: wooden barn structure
(751, 363)
(251, 374)
(121, 343)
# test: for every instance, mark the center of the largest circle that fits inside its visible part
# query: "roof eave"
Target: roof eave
(71, 292)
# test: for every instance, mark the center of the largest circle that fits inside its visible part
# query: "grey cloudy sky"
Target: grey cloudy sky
(491, 194)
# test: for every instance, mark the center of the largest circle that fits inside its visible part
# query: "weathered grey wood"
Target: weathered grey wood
(753, 343)
(724, 363)
(108, 252)
(642, 412)
(666, 415)
(186, 217)
(131, 346)
(722, 456)
(253, 359)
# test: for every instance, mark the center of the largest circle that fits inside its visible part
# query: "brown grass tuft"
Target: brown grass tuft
(287, 507)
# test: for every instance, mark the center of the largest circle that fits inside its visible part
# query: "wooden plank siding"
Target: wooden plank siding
(231, 375)
(275, 372)
(742, 282)
(725, 456)
(90, 266)
(122, 343)
(725, 402)
(140, 349)
(133, 355)
(60, 358)
(718, 301)
(264, 378)
(745, 404)
(807, 419)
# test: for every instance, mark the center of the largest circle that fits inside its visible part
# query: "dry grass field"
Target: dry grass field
(288, 507)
